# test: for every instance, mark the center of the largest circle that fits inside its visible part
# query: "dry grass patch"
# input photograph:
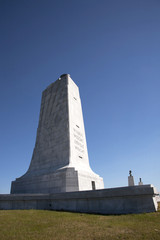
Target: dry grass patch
(52, 225)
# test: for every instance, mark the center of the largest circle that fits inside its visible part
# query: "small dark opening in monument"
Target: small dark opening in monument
(77, 126)
(75, 98)
(93, 185)
(80, 157)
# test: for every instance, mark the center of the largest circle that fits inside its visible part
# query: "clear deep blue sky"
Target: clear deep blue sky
(111, 49)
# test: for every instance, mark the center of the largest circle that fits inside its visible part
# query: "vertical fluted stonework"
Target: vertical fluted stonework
(60, 158)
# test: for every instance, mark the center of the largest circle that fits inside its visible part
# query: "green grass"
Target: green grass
(52, 225)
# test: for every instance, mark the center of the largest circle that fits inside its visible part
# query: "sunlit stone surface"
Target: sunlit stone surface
(60, 159)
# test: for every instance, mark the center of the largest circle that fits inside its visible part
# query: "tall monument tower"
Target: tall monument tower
(60, 158)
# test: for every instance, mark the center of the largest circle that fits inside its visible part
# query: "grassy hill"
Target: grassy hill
(52, 225)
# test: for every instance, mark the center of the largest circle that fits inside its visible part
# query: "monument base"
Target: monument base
(124, 200)
(66, 179)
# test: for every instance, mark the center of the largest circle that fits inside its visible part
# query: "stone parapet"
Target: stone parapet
(123, 200)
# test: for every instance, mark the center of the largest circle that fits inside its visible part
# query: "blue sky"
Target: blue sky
(111, 49)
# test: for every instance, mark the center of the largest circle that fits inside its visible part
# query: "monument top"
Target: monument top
(65, 75)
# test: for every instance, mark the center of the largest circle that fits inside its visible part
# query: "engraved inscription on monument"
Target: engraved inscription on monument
(78, 141)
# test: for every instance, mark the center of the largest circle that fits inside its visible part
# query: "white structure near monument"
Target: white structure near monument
(140, 182)
(130, 179)
(60, 158)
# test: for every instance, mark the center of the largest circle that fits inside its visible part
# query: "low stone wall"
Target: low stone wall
(136, 199)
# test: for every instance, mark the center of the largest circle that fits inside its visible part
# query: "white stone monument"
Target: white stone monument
(60, 159)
